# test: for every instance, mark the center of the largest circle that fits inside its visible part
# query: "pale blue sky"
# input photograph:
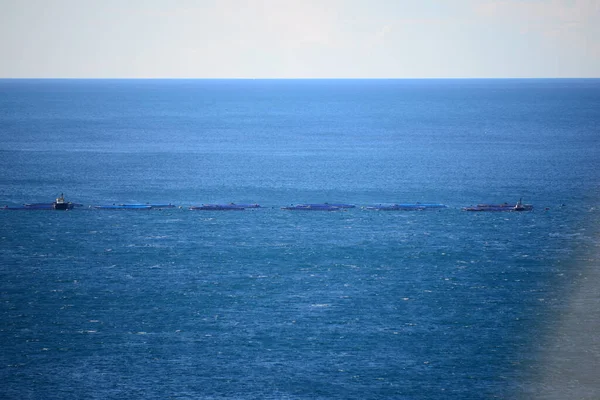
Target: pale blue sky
(299, 38)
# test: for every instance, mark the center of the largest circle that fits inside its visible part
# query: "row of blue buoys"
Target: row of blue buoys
(519, 206)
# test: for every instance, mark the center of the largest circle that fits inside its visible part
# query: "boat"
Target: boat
(218, 207)
(61, 204)
(312, 207)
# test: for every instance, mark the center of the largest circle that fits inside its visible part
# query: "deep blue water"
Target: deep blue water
(273, 304)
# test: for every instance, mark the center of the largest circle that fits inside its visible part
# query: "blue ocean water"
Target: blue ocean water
(275, 304)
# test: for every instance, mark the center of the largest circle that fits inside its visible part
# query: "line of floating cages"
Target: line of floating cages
(61, 204)
(519, 206)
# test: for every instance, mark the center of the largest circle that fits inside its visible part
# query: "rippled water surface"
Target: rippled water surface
(270, 303)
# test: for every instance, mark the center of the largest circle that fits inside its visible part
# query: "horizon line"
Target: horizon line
(298, 78)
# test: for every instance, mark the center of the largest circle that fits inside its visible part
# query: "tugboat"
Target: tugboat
(61, 204)
(519, 206)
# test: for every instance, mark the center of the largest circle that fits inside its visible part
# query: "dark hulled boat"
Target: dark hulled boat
(61, 204)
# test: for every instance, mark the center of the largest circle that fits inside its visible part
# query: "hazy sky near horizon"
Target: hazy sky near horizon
(299, 38)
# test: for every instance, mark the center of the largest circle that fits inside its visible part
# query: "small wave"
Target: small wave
(563, 235)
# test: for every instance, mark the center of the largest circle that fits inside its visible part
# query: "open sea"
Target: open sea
(275, 304)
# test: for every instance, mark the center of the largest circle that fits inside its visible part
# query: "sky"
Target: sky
(299, 38)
